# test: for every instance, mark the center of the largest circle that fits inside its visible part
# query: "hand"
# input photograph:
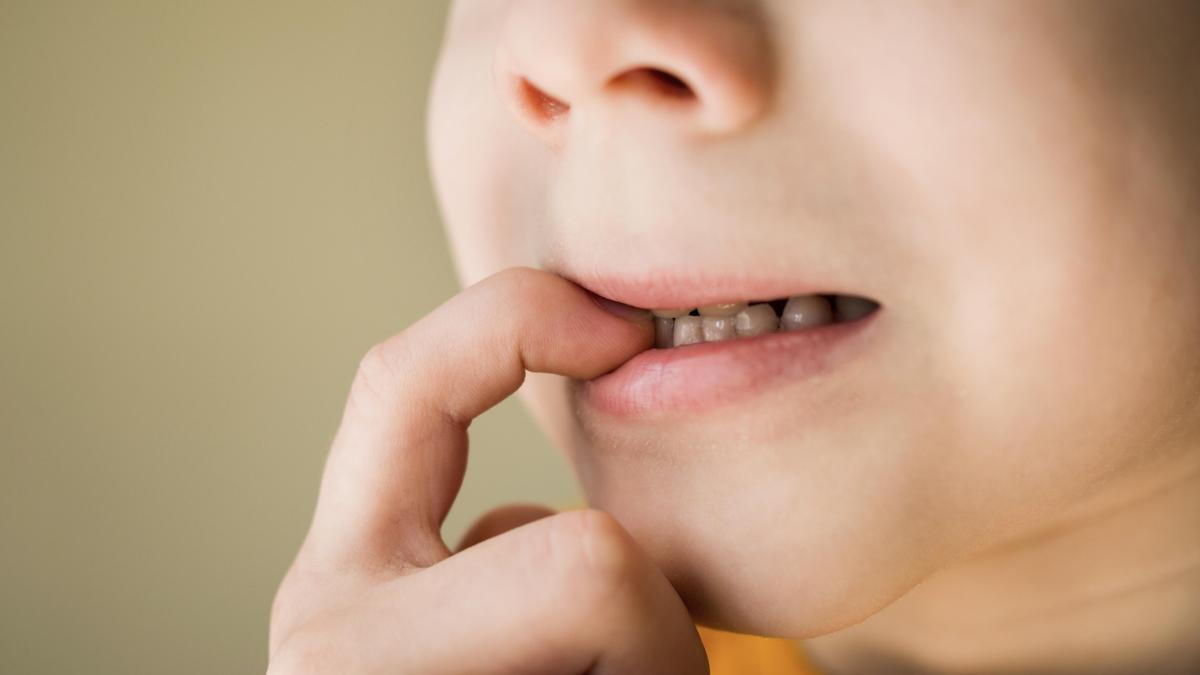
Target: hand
(374, 589)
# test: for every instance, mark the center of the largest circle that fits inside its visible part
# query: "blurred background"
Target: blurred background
(208, 212)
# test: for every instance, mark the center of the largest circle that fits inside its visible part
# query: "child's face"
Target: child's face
(1015, 183)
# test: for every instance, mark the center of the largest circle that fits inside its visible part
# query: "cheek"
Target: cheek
(487, 172)
(1068, 312)
(1075, 344)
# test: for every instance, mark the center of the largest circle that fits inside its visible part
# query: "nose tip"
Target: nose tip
(703, 66)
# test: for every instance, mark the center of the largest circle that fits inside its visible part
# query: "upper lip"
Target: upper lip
(670, 289)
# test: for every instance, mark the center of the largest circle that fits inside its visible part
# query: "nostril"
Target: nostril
(541, 106)
(670, 84)
(654, 80)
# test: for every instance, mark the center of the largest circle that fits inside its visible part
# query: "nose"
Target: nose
(702, 66)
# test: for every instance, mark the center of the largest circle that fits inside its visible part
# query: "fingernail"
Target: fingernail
(627, 312)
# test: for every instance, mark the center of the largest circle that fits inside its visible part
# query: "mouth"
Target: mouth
(727, 350)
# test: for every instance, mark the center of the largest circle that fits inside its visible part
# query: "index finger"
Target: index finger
(398, 458)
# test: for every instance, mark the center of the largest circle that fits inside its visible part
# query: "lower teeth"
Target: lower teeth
(717, 323)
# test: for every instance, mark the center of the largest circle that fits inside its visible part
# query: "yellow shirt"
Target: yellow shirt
(737, 654)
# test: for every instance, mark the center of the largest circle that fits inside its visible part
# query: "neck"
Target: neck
(1112, 587)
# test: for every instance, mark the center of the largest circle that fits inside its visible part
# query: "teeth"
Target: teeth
(689, 330)
(718, 328)
(730, 309)
(664, 332)
(849, 307)
(756, 320)
(717, 323)
(805, 311)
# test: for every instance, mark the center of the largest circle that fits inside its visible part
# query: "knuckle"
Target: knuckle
(377, 365)
(595, 552)
(376, 378)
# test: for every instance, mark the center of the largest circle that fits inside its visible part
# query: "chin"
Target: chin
(763, 576)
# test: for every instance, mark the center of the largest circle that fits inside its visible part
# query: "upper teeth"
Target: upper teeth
(756, 320)
(716, 323)
(730, 309)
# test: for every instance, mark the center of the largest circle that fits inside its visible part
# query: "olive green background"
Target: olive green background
(208, 212)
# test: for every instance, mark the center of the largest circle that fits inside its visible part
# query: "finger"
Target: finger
(500, 520)
(570, 593)
(398, 458)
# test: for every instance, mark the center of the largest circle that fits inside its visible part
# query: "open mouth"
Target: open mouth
(716, 355)
(718, 323)
(743, 336)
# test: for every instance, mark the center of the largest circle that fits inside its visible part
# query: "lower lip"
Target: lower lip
(701, 377)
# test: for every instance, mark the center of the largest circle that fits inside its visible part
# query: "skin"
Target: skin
(1008, 481)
